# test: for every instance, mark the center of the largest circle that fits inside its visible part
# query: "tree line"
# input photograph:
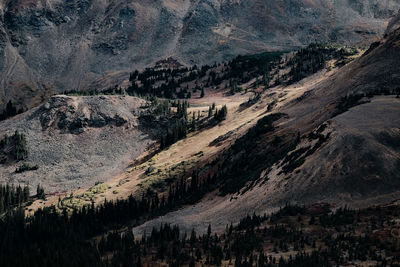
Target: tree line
(174, 83)
(12, 196)
(179, 124)
(83, 237)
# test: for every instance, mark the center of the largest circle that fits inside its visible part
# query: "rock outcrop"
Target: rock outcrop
(71, 114)
(77, 141)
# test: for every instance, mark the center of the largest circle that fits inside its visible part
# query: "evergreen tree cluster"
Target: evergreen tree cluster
(174, 83)
(307, 61)
(182, 82)
(247, 165)
(244, 68)
(220, 115)
(15, 147)
(177, 128)
(181, 109)
(313, 58)
(244, 245)
(10, 111)
(179, 125)
(157, 109)
(49, 238)
(11, 196)
(165, 83)
(110, 91)
(20, 145)
(26, 167)
(175, 132)
(40, 192)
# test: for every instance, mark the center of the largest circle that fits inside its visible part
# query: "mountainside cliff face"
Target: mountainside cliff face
(49, 46)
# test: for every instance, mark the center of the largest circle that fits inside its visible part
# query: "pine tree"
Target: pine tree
(193, 237)
(192, 263)
(40, 192)
(11, 110)
(21, 147)
(220, 115)
(194, 121)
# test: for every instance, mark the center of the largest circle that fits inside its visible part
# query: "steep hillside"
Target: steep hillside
(304, 127)
(53, 46)
(307, 141)
(76, 141)
(332, 136)
(337, 141)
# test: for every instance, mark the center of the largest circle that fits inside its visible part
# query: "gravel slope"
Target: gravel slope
(342, 171)
(53, 46)
(70, 157)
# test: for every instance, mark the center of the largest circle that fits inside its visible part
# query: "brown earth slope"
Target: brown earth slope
(314, 154)
(352, 158)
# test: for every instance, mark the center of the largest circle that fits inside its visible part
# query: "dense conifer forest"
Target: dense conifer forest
(101, 236)
(292, 236)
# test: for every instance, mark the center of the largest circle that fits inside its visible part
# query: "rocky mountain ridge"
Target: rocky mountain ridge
(54, 46)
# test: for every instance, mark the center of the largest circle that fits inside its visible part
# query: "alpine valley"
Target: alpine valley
(199, 133)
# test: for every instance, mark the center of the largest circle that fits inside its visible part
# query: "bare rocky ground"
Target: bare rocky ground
(77, 141)
(357, 167)
(53, 46)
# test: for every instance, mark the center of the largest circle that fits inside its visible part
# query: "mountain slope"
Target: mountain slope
(53, 46)
(77, 141)
(341, 150)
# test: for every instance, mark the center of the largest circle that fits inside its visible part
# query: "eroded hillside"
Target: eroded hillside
(48, 47)
(77, 141)
(322, 138)
(337, 141)
(294, 138)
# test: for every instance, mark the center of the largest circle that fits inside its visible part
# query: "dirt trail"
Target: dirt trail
(258, 44)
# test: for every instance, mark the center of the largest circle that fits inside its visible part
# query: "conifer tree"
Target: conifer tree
(40, 192)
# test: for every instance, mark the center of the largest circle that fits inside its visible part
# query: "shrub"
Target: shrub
(26, 167)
